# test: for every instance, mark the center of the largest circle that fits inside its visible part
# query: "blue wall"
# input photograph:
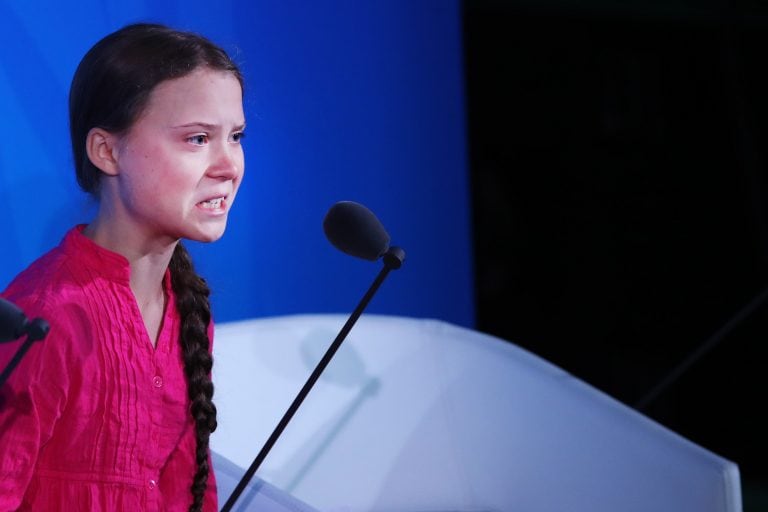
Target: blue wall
(344, 100)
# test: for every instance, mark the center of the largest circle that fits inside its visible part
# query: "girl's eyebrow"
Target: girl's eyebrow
(207, 126)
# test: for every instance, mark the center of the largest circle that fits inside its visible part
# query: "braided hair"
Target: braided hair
(110, 89)
(192, 303)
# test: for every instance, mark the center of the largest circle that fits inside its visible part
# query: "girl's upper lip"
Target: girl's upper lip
(214, 196)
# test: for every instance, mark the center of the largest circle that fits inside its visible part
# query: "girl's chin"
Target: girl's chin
(206, 234)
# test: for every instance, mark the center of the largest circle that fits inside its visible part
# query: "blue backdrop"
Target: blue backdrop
(344, 100)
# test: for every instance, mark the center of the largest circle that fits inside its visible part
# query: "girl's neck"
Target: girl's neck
(148, 259)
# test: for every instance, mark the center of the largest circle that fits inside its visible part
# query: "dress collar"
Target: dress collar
(109, 264)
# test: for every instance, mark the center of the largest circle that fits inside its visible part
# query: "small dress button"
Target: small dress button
(157, 381)
(152, 484)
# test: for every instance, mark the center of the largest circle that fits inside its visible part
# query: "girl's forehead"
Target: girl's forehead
(206, 96)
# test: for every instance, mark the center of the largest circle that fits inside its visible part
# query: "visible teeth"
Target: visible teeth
(212, 204)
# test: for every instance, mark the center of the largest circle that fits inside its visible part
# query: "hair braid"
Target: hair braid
(192, 303)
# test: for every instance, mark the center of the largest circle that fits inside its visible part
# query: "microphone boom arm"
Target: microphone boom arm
(393, 259)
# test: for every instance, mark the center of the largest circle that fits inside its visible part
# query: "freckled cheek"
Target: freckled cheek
(160, 184)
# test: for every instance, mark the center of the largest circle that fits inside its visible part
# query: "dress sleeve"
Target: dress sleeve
(31, 402)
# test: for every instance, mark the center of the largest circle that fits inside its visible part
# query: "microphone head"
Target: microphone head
(13, 322)
(354, 229)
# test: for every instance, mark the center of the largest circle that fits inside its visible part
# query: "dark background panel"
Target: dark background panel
(618, 179)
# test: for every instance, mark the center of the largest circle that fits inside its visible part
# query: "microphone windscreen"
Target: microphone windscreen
(12, 321)
(354, 229)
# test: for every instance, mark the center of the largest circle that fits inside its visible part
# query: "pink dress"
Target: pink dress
(94, 418)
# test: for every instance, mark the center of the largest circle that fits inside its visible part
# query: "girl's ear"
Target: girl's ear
(101, 147)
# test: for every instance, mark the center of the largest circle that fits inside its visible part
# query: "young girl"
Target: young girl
(112, 411)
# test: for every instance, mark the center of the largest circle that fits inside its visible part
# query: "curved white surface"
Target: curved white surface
(258, 495)
(421, 415)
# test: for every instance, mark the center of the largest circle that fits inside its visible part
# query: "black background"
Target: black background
(618, 163)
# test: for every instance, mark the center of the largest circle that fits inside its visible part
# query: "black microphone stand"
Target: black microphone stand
(35, 330)
(393, 259)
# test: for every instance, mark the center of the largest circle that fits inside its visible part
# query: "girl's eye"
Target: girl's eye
(238, 136)
(198, 140)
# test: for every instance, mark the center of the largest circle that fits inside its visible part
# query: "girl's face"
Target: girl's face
(181, 163)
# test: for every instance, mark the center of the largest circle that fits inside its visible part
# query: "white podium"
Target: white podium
(258, 496)
(420, 415)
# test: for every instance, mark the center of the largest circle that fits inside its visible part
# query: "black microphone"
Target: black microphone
(354, 229)
(13, 325)
(13, 322)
